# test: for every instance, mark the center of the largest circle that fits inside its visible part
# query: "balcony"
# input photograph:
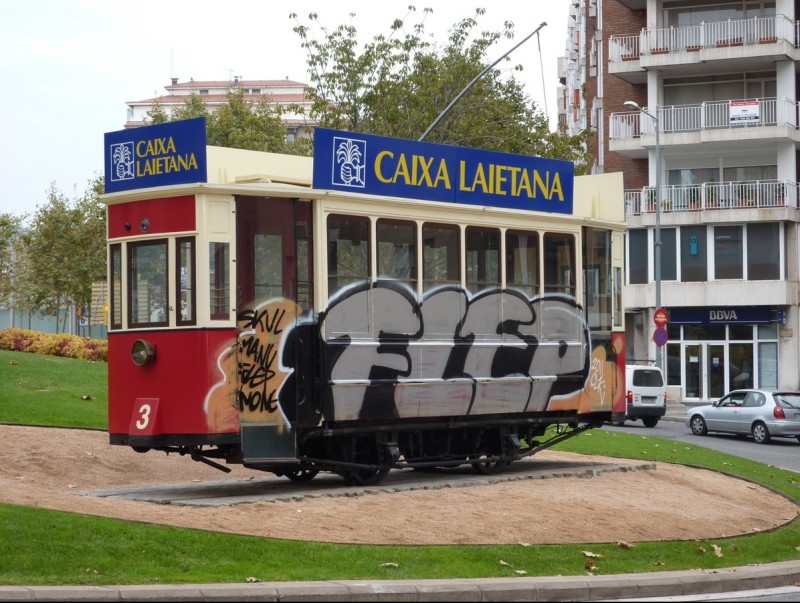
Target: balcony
(704, 48)
(713, 196)
(753, 120)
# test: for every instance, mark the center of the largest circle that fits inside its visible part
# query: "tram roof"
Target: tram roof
(242, 172)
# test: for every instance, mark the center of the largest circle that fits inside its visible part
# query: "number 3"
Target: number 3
(144, 411)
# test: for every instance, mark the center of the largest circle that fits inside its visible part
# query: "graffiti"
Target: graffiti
(253, 373)
(449, 353)
(386, 354)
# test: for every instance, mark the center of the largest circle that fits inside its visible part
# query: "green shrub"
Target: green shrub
(68, 346)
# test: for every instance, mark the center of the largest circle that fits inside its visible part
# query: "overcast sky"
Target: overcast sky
(69, 66)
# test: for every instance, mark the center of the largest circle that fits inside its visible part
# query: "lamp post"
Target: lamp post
(657, 242)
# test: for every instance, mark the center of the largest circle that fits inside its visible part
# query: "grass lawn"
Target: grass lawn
(41, 547)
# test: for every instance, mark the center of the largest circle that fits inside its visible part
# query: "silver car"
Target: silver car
(761, 413)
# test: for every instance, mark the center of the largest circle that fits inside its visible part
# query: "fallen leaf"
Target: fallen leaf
(252, 579)
(390, 564)
(701, 550)
(658, 563)
(590, 566)
(624, 545)
(13, 363)
(717, 550)
(521, 572)
(505, 563)
(591, 555)
(86, 397)
(524, 544)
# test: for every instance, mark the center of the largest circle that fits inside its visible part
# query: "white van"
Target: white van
(646, 394)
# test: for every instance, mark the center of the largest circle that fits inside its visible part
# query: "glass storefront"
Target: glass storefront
(708, 361)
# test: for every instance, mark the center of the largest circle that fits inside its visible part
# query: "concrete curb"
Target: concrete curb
(548, 588)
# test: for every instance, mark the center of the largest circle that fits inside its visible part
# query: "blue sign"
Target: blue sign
(660, 336)
(378, 165)
(720, 315)
(158, 155)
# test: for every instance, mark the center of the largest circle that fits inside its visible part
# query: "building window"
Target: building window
(693, 254)
(669, 255)
(763, 251)
(638, 255)
(728, 252)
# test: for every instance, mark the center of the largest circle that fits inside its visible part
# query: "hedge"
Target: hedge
(69, 346)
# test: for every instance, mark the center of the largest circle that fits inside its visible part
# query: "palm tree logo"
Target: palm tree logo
(349, 155)
(122, 161)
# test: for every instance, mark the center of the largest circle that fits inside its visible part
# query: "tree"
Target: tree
(62, 253)
(239, 124)
(9, 233)
(397, 85)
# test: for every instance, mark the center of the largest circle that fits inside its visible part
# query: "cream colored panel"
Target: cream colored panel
(219, 217)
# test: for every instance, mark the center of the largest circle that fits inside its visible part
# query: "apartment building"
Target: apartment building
(285, 93)
(697, 103)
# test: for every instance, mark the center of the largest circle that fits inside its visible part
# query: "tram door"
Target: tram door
(704, 366)
(274, 289)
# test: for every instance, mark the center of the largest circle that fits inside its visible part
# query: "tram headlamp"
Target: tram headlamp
(142, 352)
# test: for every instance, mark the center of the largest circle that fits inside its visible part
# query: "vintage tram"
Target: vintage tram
(387, 304)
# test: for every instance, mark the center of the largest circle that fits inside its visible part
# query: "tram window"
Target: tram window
(116, 287)
(185, 286)
(219, 280)
(597, 290)
(483, 258)
(559, 263)
(147, 266)
(440, 255)
(397, 251)
(522, 261)
(267, 252)
(348, 251)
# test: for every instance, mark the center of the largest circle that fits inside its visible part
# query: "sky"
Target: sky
(70, 66)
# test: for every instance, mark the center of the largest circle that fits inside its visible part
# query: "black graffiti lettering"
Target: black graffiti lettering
(258, 400)
(265, 323)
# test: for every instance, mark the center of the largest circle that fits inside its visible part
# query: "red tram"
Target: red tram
(387, 304)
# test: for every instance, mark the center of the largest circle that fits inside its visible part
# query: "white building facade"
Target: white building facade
(710, 161)
(289, 95)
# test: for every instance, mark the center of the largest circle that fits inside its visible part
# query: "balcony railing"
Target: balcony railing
(717, 34)
(712, 196)
(705, 116)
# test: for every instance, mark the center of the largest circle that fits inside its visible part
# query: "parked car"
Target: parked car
(761, 413)
(646, 394)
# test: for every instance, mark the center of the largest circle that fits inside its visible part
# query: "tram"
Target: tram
(386, 304)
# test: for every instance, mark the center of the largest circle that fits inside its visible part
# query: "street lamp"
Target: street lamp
(657, 242)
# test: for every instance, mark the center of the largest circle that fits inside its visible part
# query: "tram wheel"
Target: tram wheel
(302, 475)
(487, 467)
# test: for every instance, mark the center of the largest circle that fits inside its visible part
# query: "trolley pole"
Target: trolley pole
(472, 83)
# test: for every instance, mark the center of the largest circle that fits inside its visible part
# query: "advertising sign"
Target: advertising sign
(363, 163)
(745, 112)
(158, 155)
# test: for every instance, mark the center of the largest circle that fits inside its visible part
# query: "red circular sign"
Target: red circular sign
(660, 336)
(660, 317)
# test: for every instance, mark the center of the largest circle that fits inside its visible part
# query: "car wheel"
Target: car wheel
(650, 421)
(698, 425)
(760, 433)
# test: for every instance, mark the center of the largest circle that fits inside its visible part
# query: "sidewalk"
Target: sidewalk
(549, 588)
